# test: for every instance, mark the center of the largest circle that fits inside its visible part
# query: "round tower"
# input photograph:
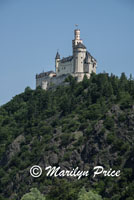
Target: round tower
(76, 38)
(77, 34)
(57, 59)
(79, 56)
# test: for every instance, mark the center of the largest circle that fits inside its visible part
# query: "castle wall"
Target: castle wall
(48, 82)
(86, 68)
(94, 68)
(65, 68)
(90, 67)
(81, 57)
(57, 80)
(57, 65)
(80, 76)
(43, 81)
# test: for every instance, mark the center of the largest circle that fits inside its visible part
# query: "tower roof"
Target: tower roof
(57, 55)
(80, 45)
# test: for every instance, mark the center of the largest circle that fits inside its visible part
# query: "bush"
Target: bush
(110, 138)
(109, 123)
(84, 195)
(34, 194)
(66, 138)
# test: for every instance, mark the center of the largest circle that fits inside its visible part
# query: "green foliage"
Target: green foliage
(66, 138)
(109, 123)
(91, 119)
(34, 194)
(63, 189)
(67, 156)
(94, 112)
(110, 138)
(84, 195)
(2, 198)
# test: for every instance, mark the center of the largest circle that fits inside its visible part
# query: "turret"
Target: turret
(57, 59)
(79, 56)
(79, 51)
(76, 38)
(77, 35)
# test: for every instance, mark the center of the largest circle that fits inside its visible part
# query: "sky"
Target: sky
(31, 32)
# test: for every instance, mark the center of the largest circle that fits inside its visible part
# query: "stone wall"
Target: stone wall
(48, 82)
(65, 68)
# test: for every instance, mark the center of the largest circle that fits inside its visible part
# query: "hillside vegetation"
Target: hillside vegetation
(81, 124)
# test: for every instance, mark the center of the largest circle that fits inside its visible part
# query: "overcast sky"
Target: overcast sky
(31, 31)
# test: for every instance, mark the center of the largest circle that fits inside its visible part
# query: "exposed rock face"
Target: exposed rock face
(13, 149)
(15, 146)
(53, 159)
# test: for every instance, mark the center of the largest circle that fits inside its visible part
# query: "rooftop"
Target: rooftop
(80, 45)
(67, 59)
(44, 74)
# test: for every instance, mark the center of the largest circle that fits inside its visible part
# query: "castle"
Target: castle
(79, 64)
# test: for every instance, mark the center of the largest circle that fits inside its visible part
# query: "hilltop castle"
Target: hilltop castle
(77, 65)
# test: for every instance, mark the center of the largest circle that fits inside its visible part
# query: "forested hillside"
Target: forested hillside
(81, 124)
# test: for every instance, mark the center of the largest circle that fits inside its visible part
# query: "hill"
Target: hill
(83, 125)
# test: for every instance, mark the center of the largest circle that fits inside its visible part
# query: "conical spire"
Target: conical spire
(57, 55)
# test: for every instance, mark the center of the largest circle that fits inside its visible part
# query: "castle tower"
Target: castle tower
(76, 38)
(79, 52)
(57, 59)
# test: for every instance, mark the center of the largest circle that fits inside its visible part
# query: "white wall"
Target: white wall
(65, 68)
(79, 56)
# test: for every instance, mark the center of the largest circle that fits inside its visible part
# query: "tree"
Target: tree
(85, 82)
(34, 194)
(84, 195)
